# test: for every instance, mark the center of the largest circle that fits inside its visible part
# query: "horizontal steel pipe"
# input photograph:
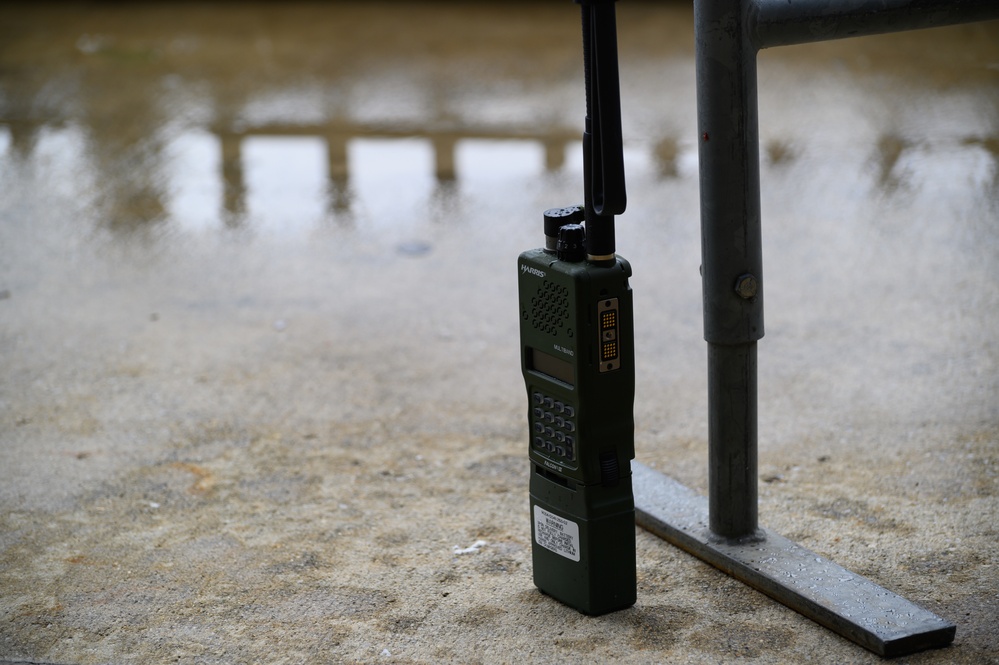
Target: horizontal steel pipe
(786, 22)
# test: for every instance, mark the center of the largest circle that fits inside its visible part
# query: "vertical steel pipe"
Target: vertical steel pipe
(732, 444)
(732, 257)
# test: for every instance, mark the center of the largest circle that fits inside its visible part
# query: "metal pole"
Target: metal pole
(723, 529)
(732, 490)
(732, 258)
(729, 34)
(781, 23)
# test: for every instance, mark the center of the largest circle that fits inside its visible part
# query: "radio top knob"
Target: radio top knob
(571, 243)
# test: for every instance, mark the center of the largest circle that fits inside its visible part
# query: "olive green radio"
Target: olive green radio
(578, 362)
(577, 355)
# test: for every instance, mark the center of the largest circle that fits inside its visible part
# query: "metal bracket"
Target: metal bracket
(844, 602)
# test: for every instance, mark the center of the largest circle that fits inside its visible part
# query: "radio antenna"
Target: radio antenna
(603, 152)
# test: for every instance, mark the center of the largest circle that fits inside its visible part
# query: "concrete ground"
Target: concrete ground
(260, 397)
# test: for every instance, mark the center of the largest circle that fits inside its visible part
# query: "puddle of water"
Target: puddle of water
(278, 137)
(215, 127)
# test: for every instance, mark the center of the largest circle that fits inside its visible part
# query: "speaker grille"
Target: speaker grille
(550, 308)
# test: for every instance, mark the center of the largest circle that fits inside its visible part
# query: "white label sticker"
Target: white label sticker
(556, 533)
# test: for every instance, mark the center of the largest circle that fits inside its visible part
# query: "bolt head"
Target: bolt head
(747, 286)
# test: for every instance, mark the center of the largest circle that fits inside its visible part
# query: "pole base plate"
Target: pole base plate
(844, 602)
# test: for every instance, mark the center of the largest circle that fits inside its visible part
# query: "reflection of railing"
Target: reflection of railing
(723, 529)
(139, 198)
(337, 135)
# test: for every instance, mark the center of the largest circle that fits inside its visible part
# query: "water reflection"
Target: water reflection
(196, 159)
(889, 150)
(284, 129)
(361, 163)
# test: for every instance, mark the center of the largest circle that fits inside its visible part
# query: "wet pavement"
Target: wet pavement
(260, 387)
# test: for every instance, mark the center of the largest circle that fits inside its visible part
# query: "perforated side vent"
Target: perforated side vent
(550, 309)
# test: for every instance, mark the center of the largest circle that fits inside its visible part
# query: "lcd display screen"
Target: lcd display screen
(556, 368)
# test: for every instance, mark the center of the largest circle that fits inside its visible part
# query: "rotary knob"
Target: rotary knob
(571, 243)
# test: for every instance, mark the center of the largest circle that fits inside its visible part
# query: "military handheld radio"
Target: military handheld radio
(577, 357)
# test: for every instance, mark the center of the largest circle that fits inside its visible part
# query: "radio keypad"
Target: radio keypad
(553, 423)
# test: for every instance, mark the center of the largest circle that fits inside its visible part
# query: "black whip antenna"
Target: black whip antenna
(603, 152)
